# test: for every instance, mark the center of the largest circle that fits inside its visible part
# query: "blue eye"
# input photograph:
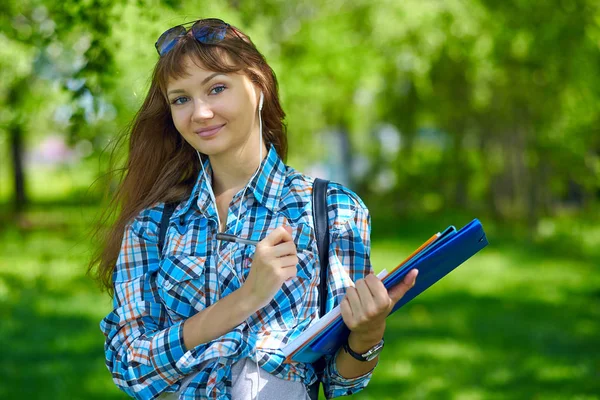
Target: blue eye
(177, 100)
(218, 89)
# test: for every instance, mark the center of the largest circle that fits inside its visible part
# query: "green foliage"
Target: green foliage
(514, 322)
(496, 108)
(511, 84)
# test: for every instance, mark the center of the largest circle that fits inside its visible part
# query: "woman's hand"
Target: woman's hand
(274, 262)
(366, 306)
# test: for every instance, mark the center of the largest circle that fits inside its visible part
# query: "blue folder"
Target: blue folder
(434, 262)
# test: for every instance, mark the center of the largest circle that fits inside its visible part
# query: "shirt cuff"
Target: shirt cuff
(340, 386)
(166, 351)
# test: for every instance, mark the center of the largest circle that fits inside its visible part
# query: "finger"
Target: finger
(278, 235)
(367, 302)
(284, 249)
(347, 315)
(400, 289)
(379, 291)
(289, 273)
(354, 300)
(286, 262)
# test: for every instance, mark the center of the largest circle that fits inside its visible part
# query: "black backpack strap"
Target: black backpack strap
(321, 221)
(164, 224)
(322, 232)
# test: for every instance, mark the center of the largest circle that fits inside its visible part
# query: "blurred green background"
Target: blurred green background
(435, 112)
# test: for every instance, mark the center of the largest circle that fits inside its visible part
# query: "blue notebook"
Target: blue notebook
(434, 259)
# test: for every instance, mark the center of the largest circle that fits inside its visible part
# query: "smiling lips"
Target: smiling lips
(209, 131)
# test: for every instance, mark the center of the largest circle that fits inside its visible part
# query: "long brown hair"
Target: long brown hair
(161, 165)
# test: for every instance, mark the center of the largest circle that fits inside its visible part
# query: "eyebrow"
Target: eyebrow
(208, 78)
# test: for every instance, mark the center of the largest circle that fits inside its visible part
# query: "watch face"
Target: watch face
(374, 352)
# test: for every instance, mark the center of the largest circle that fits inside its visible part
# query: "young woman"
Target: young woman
(195, 317)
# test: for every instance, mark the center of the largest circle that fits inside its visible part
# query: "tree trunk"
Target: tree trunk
(16, 148)
(457, 161)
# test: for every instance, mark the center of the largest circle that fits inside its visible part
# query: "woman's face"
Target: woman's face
(215, 112)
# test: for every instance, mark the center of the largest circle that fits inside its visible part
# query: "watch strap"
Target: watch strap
(366, 356)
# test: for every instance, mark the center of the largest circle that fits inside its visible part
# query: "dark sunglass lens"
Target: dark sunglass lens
(209, 34)
(167, 40)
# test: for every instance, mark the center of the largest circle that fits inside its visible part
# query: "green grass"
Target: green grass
(518, 321)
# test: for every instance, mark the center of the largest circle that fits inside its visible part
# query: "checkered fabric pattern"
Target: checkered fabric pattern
(155, 294)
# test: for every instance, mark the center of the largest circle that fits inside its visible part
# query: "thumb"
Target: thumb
(400, 289)
(280, 234)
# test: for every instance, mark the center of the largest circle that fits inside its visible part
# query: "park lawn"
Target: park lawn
(514, 322)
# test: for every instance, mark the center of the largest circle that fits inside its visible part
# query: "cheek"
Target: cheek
(224, 108)
(179, 117)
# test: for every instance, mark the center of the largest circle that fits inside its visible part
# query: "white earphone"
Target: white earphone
(235, 229)
(260, 106)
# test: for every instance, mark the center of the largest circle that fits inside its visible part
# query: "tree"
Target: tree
(56, 43)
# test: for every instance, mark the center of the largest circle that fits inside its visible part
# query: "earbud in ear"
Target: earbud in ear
(260, 101)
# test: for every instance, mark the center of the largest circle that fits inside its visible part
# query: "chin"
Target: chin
(211, 148)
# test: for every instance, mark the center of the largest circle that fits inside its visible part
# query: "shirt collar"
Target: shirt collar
(266, 186)
(200, 193)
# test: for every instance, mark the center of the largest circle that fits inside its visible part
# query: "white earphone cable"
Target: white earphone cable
(260, 105)
(212, 196)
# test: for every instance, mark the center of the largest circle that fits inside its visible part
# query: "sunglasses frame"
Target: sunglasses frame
(202, 30)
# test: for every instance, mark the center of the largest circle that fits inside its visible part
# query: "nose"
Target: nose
(202, 111)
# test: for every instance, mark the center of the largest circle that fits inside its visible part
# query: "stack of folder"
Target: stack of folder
(434, 259)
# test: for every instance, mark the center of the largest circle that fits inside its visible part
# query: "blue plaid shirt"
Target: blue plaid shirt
(155, 294)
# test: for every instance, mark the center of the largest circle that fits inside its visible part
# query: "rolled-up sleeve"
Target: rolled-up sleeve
(142, 349)
(349, 260)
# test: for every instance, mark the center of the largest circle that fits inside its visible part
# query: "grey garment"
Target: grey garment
(244, 381)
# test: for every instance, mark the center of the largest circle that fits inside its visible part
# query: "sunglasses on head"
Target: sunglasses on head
(207, 31)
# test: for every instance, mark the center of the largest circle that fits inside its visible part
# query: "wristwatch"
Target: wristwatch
(368, 355)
